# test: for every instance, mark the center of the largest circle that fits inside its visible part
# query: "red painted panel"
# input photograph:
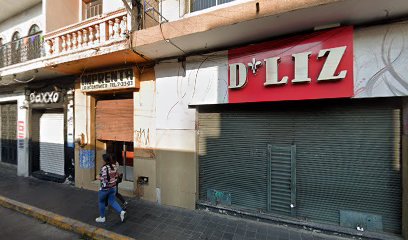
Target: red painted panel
(255, 91)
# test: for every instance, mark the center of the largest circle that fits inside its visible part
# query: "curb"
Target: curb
(62, 222)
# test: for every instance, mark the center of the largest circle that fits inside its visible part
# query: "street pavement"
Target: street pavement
(16, 226)
(145, 220)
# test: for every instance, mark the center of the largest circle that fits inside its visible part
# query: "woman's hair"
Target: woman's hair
(107, 159)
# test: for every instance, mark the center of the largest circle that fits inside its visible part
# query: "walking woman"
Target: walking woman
(108, 177)
(118, 180)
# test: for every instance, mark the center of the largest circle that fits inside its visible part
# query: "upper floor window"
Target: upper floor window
(34, 29)
(197, 5)
(93, 8)
(16, 36)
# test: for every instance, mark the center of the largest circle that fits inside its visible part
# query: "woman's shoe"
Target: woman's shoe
(122, 216)
(100, 219)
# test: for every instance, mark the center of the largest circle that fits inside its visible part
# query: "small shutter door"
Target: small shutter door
(52, 143)
(282, 179)
(114, 120)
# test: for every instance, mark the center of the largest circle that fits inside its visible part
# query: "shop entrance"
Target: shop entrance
(114, 128)
(123, 152)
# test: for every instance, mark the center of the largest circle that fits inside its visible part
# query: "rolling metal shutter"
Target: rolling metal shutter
(9, 133)
(52, 143)
(114, 120)
(347, 158)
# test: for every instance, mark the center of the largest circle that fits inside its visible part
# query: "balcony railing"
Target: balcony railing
(24, 49)
(88, 34)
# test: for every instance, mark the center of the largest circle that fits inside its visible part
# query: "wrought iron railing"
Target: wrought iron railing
(21, 50)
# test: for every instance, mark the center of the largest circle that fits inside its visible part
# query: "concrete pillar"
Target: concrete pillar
(23, 136)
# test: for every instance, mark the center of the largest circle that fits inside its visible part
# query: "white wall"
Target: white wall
(204, 79)
(113, 5)
(172, 9)
(22, 23)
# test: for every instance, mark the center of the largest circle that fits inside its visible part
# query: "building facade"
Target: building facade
(276, 110)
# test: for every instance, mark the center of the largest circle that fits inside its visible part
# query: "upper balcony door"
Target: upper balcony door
(16, 48)
(93, 8)
(34, 44)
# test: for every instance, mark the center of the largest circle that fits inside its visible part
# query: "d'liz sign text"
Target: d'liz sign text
(314, 66)
(109, 80)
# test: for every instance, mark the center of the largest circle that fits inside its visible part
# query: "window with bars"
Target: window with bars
(197, 5)
(93, 8)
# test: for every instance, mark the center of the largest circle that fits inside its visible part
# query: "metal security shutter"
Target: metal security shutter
(347, 158)
(9, 133)
(52, 143)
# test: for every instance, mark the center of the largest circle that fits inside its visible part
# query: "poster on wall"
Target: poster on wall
(110, 80)
(86, 159)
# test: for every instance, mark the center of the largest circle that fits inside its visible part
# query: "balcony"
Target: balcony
(92, 33)
(22, 50)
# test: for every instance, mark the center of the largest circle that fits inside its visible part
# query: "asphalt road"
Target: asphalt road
(14, 225)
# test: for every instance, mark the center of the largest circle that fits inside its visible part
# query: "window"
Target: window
(93, 8)
(197, 5)
(34, 29)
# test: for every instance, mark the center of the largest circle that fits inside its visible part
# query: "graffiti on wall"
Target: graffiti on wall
(218, 197)
(142, 137)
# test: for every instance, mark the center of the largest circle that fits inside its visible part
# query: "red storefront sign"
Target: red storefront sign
(314, 66)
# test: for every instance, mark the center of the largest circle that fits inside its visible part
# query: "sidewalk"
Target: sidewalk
(145, 220)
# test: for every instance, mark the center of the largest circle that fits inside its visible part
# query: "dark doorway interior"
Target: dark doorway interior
(123, 152)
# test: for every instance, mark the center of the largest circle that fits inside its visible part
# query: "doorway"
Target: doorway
(123, 153)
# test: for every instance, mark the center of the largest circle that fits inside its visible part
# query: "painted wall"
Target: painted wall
(203, 79)
(61, 13)
(381, 61)
(165, 137)
(84, 168)
(22, 23)
(113, 5)
(172, 9)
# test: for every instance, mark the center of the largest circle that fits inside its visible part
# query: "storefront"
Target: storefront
(51, 147)
(111, 113)
(295, 139)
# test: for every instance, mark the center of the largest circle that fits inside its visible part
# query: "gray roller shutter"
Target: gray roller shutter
(52, 143)
(347, 158)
